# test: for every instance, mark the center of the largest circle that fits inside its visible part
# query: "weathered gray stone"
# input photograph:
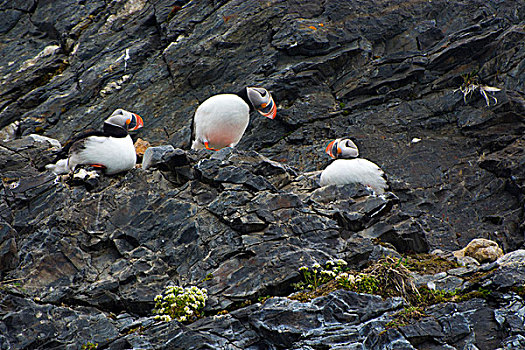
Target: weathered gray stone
(516, 257)
(155, 155)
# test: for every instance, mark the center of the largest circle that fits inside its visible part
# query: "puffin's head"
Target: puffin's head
(342, 148)
(125, 120)
(262, 101)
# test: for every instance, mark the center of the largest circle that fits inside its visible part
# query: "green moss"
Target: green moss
(89, 346)
(477, 277)
(406, 316)
(208, 277)
(138, 330)
(520, 290)
(428, 264)
(481, 293)
(307, 295)
(429, 297)
(263, 299)
(13, 286)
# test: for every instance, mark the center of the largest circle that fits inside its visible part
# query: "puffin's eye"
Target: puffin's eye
(335, 149)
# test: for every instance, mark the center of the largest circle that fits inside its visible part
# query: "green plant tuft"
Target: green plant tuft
(361, 283)
(520, 290)
(208, 277)
(317, 275)
(89, 346)
(471, 83)
(182, 304)
(263, 299)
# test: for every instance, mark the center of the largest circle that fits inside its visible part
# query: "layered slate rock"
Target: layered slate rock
(238, 224)
(383, 73)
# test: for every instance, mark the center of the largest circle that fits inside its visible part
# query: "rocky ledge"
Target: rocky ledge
(95, 253)
(411, 82)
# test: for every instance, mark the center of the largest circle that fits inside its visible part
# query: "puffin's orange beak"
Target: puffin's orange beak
(329, 149)
(273, 110)
(139, 123)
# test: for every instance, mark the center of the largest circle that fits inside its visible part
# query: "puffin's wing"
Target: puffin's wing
(359, 170)
(73, 143)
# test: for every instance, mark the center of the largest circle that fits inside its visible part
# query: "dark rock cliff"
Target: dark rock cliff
(82, 263)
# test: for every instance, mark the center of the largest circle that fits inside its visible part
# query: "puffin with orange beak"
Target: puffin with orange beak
(347, 168)
(111, 150)
(221, 120)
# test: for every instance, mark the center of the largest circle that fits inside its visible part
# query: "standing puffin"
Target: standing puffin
(221, 120)
(111, 149)
(356, 170)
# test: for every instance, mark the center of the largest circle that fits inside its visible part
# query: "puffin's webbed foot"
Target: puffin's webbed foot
(207, 146)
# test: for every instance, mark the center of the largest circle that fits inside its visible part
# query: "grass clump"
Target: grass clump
(388, 277)
(471, 83)
(394, 278)
(182, 304)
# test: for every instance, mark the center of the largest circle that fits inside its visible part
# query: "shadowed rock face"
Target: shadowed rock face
(241, 222)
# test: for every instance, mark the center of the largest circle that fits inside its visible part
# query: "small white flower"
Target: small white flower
(316, 266)
(341, 276)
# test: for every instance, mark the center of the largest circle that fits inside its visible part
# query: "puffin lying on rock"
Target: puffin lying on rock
(111, 149)
(221, 120)
(354, 170)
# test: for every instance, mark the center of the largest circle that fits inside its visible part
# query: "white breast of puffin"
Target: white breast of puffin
(359, 170)
(115, 153)
(222, 120)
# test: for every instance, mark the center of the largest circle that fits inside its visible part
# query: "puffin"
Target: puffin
(110, 150)
(220, 121)
(347, 168)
